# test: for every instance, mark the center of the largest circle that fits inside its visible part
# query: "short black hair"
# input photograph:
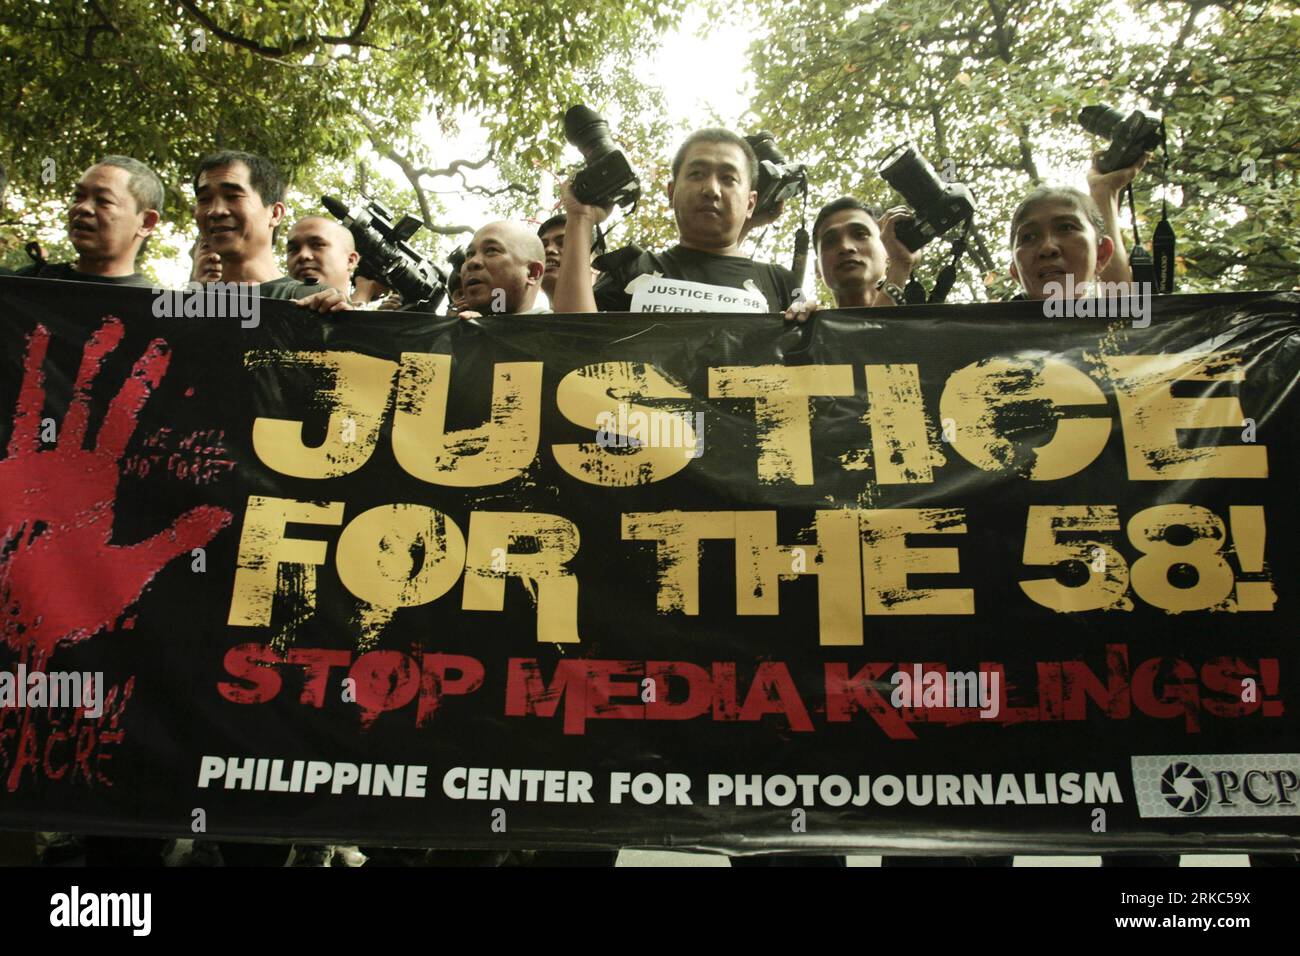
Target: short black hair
(1068, 194)
(560, 219)
(839, 205)
(715, 134)
(263, 175)
(557, 220)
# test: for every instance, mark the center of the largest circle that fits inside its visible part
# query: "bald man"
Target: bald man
(503, 269)
(322, 252)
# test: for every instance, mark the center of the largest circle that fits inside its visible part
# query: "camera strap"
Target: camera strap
(1154, 268)
(799, 265)
(947, 276)
(1163, 239)
(1139, 260)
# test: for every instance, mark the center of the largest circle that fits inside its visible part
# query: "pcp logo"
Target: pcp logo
(1185, 787)
(1217, 785)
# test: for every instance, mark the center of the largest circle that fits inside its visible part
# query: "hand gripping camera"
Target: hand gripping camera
(1129, 138)
(937, 205)
(778, 178)
(607, 177)
(385, 254)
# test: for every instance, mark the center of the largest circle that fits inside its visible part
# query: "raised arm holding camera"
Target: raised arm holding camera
(1113, 170)
(713, 196)
(1105, 189)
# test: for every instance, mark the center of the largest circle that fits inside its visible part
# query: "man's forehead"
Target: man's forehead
(315, 226)
(232, 174)
(493, 233)
(104, 177)
(554, 232)
(845, 217)
(1049, 210)
(714, 154)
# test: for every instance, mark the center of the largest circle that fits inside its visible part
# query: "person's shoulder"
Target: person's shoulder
(45, 270)
(286, 287)
(784, 275)
(625, 264)
(617, 269)
(65, 272)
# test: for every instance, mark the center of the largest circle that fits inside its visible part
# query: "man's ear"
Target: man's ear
(1015, 273)
(535, 271)
(1105, 249)
(671, 184)
(353, 258)
(149, 224)
(753, 203)
(277, 214)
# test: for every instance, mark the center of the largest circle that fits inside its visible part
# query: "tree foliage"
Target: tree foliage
(307, 82)
(991, 86)
(995, 87)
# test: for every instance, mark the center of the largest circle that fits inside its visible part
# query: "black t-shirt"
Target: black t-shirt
(287, 287)
(65, 272)
(773, 283)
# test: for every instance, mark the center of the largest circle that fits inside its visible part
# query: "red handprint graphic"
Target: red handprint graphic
(61, 578)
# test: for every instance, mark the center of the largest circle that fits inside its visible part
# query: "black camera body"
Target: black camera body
(455, 259)
(606, 178)
(778, 178)
(385, 254)
(1129, 137)
(937, 206)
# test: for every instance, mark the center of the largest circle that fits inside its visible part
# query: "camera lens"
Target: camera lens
(1100, 120)
(764, 147)
(584, 129)
(912, 176)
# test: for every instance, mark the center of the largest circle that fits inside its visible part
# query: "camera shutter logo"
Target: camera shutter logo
(1185, 788)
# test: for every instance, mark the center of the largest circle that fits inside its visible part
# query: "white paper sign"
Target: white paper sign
(651, 293)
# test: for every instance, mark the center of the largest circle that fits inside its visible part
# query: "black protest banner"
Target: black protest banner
(962, 574)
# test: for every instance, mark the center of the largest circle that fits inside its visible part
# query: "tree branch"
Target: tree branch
(294, 46)
(106, 25)
(413, 175)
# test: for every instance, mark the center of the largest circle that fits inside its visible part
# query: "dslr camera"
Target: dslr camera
(937, 205)
(606, 177)
(455, 259)
(1129, 138)
(385, 254)
(778, 178)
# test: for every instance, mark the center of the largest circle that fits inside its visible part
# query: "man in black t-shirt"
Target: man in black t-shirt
(239, 205)
(712, 194)
(113, 212)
